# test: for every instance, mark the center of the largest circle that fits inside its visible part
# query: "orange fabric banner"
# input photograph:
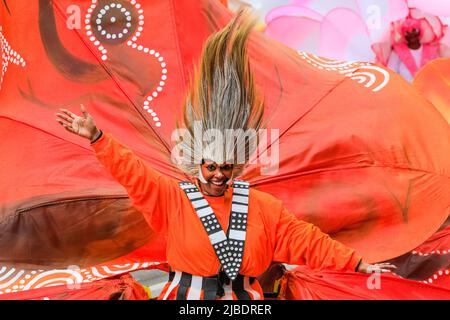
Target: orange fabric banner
(122, 287)
(305, 284)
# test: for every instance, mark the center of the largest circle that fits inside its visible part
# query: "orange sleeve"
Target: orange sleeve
(148, 190)
(299, 242)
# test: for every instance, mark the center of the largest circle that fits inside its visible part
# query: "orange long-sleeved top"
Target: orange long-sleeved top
(273, 234)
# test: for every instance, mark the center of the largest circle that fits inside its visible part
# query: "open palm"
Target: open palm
(83, 126)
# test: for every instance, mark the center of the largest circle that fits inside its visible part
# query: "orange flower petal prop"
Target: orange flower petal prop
(433, 81)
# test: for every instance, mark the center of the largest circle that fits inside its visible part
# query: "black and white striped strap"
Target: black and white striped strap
(229, 250)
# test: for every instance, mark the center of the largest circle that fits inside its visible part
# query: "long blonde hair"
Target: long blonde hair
(222, 95)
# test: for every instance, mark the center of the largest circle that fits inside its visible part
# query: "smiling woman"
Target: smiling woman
(213, 178)
(221, 234)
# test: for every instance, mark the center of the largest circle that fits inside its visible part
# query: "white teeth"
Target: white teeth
(217, 183)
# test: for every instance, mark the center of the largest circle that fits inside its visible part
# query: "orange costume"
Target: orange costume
(272, 233)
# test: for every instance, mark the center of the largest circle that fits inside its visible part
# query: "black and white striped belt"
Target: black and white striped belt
(214, 287)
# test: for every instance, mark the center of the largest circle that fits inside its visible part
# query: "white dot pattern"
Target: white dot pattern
(437, 275)
(100, 22)
(436, 252)
(230, 250)
(8, 56)
(15, 280)
(367, 74)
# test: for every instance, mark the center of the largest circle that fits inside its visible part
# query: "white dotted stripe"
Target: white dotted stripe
(160, 87)
(437, 252)
(237, 235)
(121, 265)
(199, 203)
(229, 251)
(99, 20)
(241, 183)
(194, 195)
(186, 186)
(8, 56)
(204, 212)
(71, 277)
(435, 277)
(241, 199)
(362, 72)
(238, 221)
(241, 192)
(338, 65)
(120, 270)
(331, 65)
(240, 208)
(7, 273)
(211, 223)
(217, 237)
(13, 280)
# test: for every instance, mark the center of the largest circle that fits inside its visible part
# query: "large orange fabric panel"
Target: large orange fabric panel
(433, 81)
(360, 155)
(122, 287)
(305, 284)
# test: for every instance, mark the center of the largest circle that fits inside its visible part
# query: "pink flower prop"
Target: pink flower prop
(434, 7)
(341, 29)
(430, 26)
(355, 29)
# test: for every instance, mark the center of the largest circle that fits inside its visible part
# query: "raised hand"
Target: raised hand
(84, 126)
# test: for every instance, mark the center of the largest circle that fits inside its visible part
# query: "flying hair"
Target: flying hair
(222, 98)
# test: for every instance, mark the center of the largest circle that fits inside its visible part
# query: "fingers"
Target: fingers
(381, 267)
(70, 121)
(70, 124)
(68, 113)
(64, 123)
(386, 265)
(64, 117)
(67, 126)
(83, 110)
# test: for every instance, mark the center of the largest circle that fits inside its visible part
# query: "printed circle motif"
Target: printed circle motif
(114, 22)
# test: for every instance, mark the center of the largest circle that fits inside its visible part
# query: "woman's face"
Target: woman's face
(216, 177)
